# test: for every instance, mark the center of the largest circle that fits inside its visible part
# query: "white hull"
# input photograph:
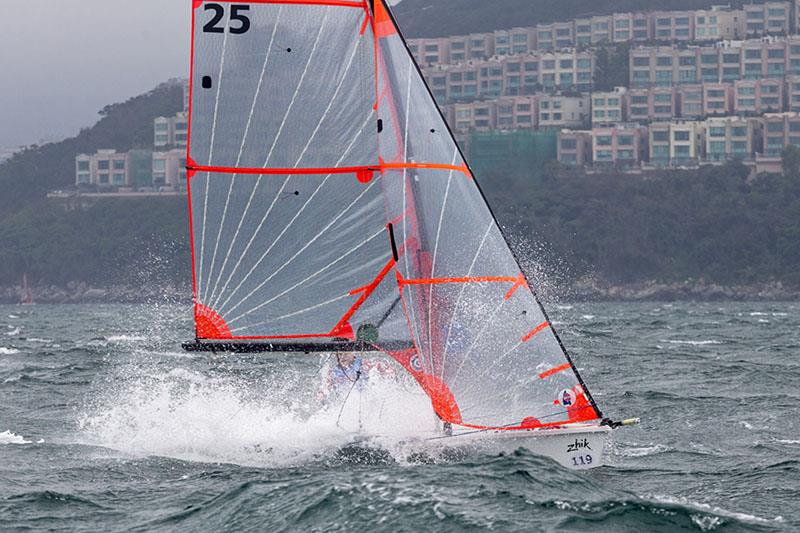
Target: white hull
(578, 447)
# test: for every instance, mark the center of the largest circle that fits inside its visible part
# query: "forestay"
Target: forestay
(329, 202)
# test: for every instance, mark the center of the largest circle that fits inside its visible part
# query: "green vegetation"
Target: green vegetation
(709, 224)
(440, 18)
(612, 67)
(37, 170)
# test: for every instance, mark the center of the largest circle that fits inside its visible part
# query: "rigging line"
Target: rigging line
(302, 209)
(303, 249)
(461, 293)
(238, 161)
(211, 148)
(297, 163)
(435, 251)
(308, 278)
(475, 341)
(295, 313)
(285, 118)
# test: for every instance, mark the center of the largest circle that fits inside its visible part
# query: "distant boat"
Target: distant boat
(26, 296)
(333, 211)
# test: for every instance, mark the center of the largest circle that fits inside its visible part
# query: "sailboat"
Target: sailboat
(26, 297)
(332, 210)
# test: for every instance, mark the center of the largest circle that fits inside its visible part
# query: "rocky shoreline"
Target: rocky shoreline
(692, 290)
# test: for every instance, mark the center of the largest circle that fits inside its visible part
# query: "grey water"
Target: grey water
(106, 425)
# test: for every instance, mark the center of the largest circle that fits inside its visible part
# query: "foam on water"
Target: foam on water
(8, 351)
(187, 415)
(7, 437)
(691, 343)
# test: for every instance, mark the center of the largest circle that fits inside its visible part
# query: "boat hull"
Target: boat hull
(578, 447)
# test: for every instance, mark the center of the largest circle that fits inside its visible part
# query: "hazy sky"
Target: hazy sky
(61, 61)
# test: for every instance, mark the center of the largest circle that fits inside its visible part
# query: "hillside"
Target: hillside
(439, 18)
(37, 170)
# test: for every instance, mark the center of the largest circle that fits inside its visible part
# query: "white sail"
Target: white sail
(329, 198)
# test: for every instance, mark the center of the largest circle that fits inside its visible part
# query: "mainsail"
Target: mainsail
(331, 207)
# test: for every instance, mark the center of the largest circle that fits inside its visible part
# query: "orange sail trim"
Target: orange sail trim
(528, 336)
(209, 324)
(521, 282)
(442, 399)
(384, 27)
(366, 292)
(441, 281)
(555, 370)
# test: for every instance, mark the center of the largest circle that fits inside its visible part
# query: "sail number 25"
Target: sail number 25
(213, 25)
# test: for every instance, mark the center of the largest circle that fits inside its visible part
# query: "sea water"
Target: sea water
(106, 425)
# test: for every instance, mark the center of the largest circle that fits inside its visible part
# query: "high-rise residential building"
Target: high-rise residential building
(677, 143)
(652, 103)
(609, 107)
(558, 111)
(729, 138)
(618, 146)
(575, 148)
(670, 26)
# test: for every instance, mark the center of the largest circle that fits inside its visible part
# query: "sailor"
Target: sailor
(348, 371)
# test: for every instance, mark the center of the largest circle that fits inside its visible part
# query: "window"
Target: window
(641, 61)
(162, 126)
(716, 131)
(775, 127)
(625, 140)
(746, 102)
(569, 144)
(682, 152)
(682, 21)
(775, 54)
(119, 178)
(603, 155)
(639, 112)
(660, 152)
(613, 101)
(103, 178)
(662, 109)
(660, 136)
(556, 116)
(103, 164)
(739, 131)
(717, 147)
(565, 63)
(708, 59)
(739, 147)
(584, 63)
(730, 58)
(662, 97)
(512, 67)
(681, 135)
(599, 101)
(715, 93)
(686, 61)
(663, 22)
(639, 99)
(531, 65)
(664, 61)
(83, 166)
(599, 113)
(119, 164)
(752, 54)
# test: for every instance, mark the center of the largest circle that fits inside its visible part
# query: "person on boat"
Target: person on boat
(348, 371)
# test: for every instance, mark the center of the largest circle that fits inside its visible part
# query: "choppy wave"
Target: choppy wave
(8, 351)
(691, 343)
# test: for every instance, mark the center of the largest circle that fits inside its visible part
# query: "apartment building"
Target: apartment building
(718, 23)
(169, 169)
(652, 103)
(717, 99)
(555, 36)
(574, 148)
(559, 111)
(676, 143)
(670, 26)
(729, 138)
(792, 91)
(690, 100)
(780, 130)
(109, 169)
(504, 113)
(512, 76)
(609, 107)
(755, 97)
(619, 146)
(515, 41)
(768, 18)
(171, 131)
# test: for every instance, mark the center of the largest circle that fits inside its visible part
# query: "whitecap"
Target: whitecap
(13, 332)
(788, 441)
(13, 316)
(587, 317)
(7, 437)
(708, 522)
(8, 351)
(37, 339)
(758, 313)
(636, 450)
(125, 338)
(691, 343)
